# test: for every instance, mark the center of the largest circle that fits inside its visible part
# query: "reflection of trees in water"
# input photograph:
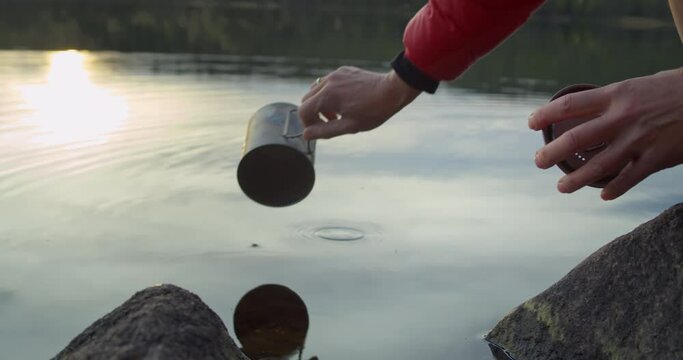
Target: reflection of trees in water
(548, 57)
(557, 52)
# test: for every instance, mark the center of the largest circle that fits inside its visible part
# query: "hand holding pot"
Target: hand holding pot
(640, 119)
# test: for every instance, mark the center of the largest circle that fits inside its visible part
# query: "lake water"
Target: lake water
(118, 172)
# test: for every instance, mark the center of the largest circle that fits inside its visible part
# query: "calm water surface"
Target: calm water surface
(118, 172)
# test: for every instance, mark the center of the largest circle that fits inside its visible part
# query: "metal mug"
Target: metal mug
(581, 157)
(276, 168)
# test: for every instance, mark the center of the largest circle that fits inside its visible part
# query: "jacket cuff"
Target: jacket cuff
(412, 75)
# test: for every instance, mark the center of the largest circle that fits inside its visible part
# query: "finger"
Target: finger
(316, 82)
(577, 139)
(579, 104)
(316, 86)
(327, 130)
(311, 108)
(605, 164)
(635, 172)
(330, 116)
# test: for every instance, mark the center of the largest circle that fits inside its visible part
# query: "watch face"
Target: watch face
(581, 157)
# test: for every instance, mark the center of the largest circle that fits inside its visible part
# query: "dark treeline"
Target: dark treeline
(566, 41)
(601, 9)
(554, 8)
(247, 27)
(332, 27)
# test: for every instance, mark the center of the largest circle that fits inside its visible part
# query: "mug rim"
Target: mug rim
(301, 159)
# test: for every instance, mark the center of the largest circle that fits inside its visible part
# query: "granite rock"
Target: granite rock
(160, 322)
(623, 302)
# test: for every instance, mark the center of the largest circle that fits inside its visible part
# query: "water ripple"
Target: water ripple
(339, 230)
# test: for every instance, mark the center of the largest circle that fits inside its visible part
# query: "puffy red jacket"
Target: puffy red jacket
(447, 36)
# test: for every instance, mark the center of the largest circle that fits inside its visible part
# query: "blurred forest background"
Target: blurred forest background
(326, 27)
(621, 37)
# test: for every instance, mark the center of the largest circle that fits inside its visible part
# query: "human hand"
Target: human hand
(640, 119)
(352, 100)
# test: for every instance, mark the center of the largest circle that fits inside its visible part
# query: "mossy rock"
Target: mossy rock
(623, 302)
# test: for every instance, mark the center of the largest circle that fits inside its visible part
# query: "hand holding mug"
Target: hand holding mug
(640, 120)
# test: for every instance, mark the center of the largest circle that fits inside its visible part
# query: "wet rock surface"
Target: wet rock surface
(160, 322)
(623, 302)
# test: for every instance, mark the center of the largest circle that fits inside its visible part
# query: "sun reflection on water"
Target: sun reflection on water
(69, 107)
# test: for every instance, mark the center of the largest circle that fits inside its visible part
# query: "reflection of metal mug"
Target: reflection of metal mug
(271, 322)
(579, 158)
(276, 168)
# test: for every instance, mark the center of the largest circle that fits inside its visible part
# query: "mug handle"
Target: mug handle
(285, 132)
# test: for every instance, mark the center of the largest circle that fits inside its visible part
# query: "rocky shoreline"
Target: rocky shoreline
(625, 301)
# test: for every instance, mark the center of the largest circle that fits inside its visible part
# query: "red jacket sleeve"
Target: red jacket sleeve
(447, 36)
